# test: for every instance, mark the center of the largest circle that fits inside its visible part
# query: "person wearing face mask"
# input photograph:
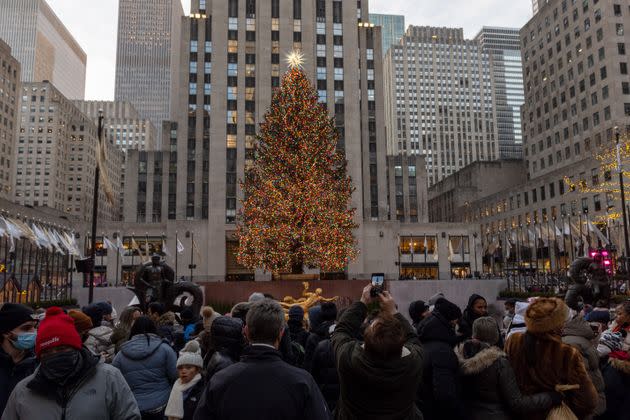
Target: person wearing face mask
(71, 383)
(17, 339)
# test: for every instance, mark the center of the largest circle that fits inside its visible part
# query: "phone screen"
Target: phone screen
(378, 279)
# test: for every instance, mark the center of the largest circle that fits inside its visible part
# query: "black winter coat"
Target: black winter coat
(375, 389)
(616, 375)
(263, 387)
(320, 333)
(439, 392)
(324, 372)
(11, 374)
(489, 386)
(192, 400)
(297, 333)
(228, 344)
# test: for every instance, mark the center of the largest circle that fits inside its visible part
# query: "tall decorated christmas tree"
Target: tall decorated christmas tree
(296, 210)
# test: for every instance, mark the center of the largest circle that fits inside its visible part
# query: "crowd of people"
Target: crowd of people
(365, 361)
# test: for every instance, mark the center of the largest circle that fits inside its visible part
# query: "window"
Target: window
(621, 48)
(619, 29)
(617, 9)
(623, 68)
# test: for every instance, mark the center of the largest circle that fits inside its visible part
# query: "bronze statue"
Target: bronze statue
(155, 282)
(307, 301)
(590, 283)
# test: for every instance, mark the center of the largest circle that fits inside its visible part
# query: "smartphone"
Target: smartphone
(378, 280)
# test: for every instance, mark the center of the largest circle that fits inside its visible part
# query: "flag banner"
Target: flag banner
(450, 250)
(426, 247)
(180, 247)
(135, 247)
(598, 233)
(119, 245)
(12, 230)
(107, 244)
(194, 245)
(53, 241)
(165, 250)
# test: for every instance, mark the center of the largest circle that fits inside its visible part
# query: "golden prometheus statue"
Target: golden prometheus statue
(307, 301)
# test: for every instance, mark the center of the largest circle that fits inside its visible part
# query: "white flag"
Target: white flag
(119, 244)
(107, 244)
(165, 249)
(597, 232)
(180, 247)
(41, 239)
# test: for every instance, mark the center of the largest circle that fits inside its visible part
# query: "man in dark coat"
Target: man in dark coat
(17, 339)
(476, 308)
(320, 331)
(439, 396)
(379, 377)
(324, 371)
(262, 386)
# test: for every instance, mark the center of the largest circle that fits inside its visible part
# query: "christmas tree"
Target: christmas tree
(296, 209)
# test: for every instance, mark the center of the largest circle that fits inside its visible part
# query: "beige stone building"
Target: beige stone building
(43, 46)
(9, 102)
(439, 100)
(407, 186)
(56, 156)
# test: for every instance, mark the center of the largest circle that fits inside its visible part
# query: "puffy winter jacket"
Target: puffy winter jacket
(578, 333)
(439, 393)
(489, 386)
(324, 372)
(101, 394)
(616, 375)
(99, 342)
(228, 343)
(148, 364)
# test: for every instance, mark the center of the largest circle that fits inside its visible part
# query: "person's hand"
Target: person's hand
(387, 303)
(365, 296)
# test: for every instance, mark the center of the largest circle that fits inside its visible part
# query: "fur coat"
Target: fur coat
(617, 377)
(547, 363)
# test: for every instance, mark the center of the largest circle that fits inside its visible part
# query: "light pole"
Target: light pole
(475, 248)
(623, 204)
(97, 173)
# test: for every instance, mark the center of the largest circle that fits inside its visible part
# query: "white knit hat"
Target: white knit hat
(190, 355)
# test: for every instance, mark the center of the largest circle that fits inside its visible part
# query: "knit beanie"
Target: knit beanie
(82, 322)
(95, 313)
(314, 317)
(190, 355)
(57, 329)
(328, 311)
(12, 315)
(545, 315)
(609, 342)
(603, 317)
(105, 307)
(255, 297)
(296, 313)
(447, 309)
(209, 315)
(486, 329)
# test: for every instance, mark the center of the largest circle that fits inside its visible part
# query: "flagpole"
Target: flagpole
(176, 252)
(556, 250)
(133, 252)
(192, 253)
(97, 174)
(117, 258)
(571, 240)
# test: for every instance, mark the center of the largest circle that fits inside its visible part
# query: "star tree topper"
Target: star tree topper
(295, 59)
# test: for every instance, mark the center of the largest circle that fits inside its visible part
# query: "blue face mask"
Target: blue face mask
(25, 341)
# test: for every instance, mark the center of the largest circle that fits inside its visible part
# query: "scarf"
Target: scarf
(175, 406)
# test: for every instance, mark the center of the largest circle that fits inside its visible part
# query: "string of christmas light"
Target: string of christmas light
(297, 193)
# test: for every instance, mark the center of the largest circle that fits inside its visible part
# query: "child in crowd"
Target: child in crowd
(188, 388)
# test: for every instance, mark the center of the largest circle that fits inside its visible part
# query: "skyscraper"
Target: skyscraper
(392, 28)
(504, 47)
(148, 37)
(9, 110)
(439, 100)
(43, 46)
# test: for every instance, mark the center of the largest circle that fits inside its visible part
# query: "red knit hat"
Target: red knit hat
(56, 329)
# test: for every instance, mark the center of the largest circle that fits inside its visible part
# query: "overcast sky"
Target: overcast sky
(93, 23)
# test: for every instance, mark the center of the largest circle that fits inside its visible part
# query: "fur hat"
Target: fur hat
(486, 329)
(545, 315)
(82, 322)
(190, 355)
(209, 315)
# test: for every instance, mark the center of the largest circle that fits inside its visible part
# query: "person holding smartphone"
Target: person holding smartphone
(387, 364)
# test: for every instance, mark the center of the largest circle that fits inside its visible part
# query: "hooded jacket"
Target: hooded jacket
(263, 387)
(468, 317)
(578, 333)
(319, 333)
(148, 364)
(489, 386)
(439, 393)
(375, 389)
(228, 343)
(551, 363)
(101, 393)
(616, 375)
(99, 341)
(12, 373)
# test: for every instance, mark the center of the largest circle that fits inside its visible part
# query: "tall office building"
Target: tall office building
(147, 55)
(392, 28)
(234, 58)
(439, 100)
(9, 103)
(56, 154)
(43, 45)
(504, 47)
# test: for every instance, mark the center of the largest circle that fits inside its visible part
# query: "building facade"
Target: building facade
(147, 55)
(407, 185)
(439, 100)
(392, 29)
(43, 46)
(56, 156)
(577, 98)
(9, 103)
(449, 199)
(503, 44)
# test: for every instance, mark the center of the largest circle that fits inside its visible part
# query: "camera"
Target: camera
(378, 280)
